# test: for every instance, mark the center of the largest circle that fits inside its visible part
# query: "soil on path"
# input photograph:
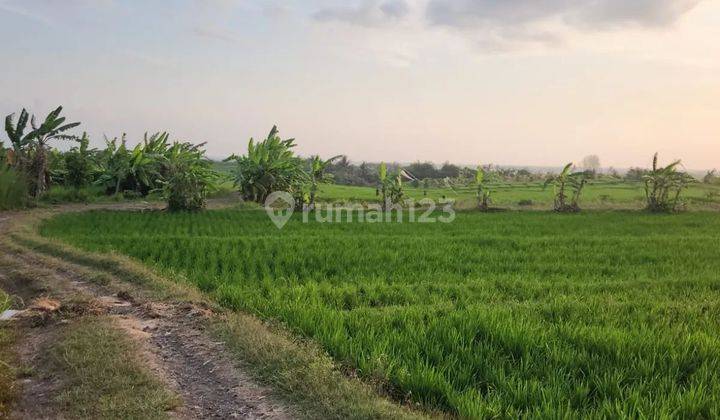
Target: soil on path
(172, 339)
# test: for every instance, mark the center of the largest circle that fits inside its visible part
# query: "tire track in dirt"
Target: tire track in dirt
(172, 339)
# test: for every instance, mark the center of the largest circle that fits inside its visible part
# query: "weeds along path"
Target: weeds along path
(170, 340)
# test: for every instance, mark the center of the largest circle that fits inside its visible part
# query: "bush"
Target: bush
(13, 188)
(187, 177)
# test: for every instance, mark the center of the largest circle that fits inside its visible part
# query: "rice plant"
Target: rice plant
(495, 315)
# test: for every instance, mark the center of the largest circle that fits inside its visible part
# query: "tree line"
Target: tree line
(183, 176)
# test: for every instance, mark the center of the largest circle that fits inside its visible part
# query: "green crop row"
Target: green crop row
(604, 314)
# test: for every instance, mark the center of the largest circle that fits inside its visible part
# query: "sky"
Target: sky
(509, 82)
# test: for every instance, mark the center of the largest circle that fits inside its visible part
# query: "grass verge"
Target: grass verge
(7, 372)
(104, 378)
(296, 370)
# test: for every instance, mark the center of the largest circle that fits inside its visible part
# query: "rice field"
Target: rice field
(597, 195)
(600, 314)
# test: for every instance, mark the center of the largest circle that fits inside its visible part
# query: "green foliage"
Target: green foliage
(13, 188)
(31, 149)
(80, 164)
(269, 165)
(318, 175)
(187, 176)
(483, 191)
(664, 185)
(527, 320)
(567, 202)
(115, 165)
(711, 177)
(139, 169)
(391, 186)
(20, 141)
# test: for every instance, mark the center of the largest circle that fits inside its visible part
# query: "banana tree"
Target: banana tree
(19, 157)
(115, 166)
(483, 192)
(187, 176)
(269, 165)
(318, 175)
(566, 179)
(390, 188)
(52, 128)
(80, 164)
(664, 185)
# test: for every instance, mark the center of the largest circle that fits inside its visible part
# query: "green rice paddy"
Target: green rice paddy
(600, 314)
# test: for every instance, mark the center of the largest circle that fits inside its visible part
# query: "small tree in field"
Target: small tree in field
(664, 185)
(187, 176)
(317, 175)
(483, 192)
(591, 164)
(269, 165)
(391, 187)
(568, 187)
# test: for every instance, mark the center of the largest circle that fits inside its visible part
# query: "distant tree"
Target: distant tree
(423, 170)
(711, 177)
(591, 163)
(636, 174)
(448, 170)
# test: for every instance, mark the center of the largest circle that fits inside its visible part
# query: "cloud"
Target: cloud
(368, 13)
(578, 13)
(7, 7)
(217, 34)
(498, 25)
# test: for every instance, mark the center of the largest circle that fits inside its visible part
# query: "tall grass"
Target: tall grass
(598, 314)
(13, 188)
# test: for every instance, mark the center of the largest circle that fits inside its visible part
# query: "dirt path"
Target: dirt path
(172, 339)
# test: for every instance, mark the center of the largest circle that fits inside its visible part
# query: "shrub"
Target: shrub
(13, 188)
(187, 177)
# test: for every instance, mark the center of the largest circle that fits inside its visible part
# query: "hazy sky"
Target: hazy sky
(522, 82)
